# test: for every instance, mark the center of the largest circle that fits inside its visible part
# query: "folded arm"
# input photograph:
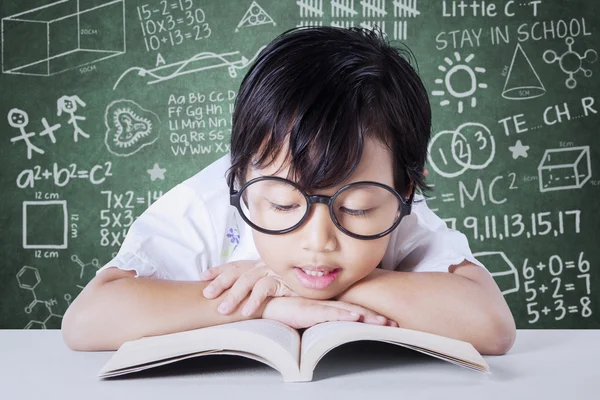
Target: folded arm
(116, 307)
(464, 304)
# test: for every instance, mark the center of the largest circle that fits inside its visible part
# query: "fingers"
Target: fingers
(330, 313)
(367, 316)
(240, 289)
(220, 282)
(264, 288)
(211, 273)
(223, 277)
(239, 266)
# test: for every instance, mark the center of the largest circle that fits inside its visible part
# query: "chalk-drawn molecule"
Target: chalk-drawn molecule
(564, 168)
(95, 263)
(68, 104)
(255, 15)
(29, 279)
(571, 62)
(19, 119)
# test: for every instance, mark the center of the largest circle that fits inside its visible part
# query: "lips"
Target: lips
(317, 280)
(320, 268)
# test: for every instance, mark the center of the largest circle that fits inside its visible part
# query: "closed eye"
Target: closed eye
(283, 208)
(355, 213)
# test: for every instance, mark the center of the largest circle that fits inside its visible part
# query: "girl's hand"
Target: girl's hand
(244, 277)
(299, 312)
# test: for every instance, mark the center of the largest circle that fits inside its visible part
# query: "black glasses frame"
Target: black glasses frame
(405, 206)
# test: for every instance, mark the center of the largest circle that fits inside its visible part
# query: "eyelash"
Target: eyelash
(354, 213)
(279, 208)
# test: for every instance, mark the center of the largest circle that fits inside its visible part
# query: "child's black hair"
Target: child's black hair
(321, 91)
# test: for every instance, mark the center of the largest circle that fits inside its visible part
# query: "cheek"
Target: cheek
(274, 250)
(362, 256)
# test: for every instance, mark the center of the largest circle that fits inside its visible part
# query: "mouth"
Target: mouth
(316, 277)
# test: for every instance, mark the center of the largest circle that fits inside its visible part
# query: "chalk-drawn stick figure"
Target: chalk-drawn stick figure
(68, 104)
(19, 119)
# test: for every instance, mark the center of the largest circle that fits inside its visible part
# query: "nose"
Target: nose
(318, 231)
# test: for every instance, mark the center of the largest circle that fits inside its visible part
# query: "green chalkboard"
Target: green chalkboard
(107, 104)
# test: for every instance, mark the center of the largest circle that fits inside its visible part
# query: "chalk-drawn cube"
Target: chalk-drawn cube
(61, 36)
(564, 168)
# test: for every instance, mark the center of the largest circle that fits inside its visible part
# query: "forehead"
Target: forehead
(375, 165)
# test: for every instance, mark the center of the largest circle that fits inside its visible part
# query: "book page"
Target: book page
(318, 340)
(286, 336)
(268, 340)
(312, 334)
(166, 361)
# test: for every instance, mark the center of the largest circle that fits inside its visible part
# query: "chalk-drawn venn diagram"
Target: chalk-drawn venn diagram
(470, 146)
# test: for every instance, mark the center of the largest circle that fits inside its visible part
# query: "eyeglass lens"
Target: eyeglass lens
(363, 209)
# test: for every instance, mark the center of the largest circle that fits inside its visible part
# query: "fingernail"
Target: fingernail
(381, 318)
(223, 307)
(203, 276)
(354, 314)
(246, 311)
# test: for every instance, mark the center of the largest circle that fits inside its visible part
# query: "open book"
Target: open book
(276, 344)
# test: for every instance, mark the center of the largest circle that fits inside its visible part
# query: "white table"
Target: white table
(543, 364)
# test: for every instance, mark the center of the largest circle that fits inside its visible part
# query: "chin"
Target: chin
(324, 294)
(319, 294)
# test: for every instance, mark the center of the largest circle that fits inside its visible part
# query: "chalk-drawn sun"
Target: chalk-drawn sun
(459, 81)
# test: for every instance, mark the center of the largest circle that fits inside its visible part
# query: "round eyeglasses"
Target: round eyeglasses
(363, 210)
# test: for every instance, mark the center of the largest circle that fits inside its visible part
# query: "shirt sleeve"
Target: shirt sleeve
(173, 239)
(426, 244)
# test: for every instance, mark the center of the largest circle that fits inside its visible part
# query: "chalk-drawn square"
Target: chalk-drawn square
(45, 224)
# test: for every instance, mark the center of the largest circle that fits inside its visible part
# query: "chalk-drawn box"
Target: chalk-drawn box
(502, 270)
(62, 35)
(45, 224)
(564, 168)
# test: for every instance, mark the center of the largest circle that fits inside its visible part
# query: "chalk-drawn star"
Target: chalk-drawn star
(157, 172)
(518, 150)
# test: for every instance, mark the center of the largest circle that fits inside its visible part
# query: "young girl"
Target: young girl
(314, 216)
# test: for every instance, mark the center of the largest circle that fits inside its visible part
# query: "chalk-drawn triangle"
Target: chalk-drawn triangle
(255, 15)
(522, 82)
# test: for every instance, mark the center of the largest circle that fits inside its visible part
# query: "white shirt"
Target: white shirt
(192, 228)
